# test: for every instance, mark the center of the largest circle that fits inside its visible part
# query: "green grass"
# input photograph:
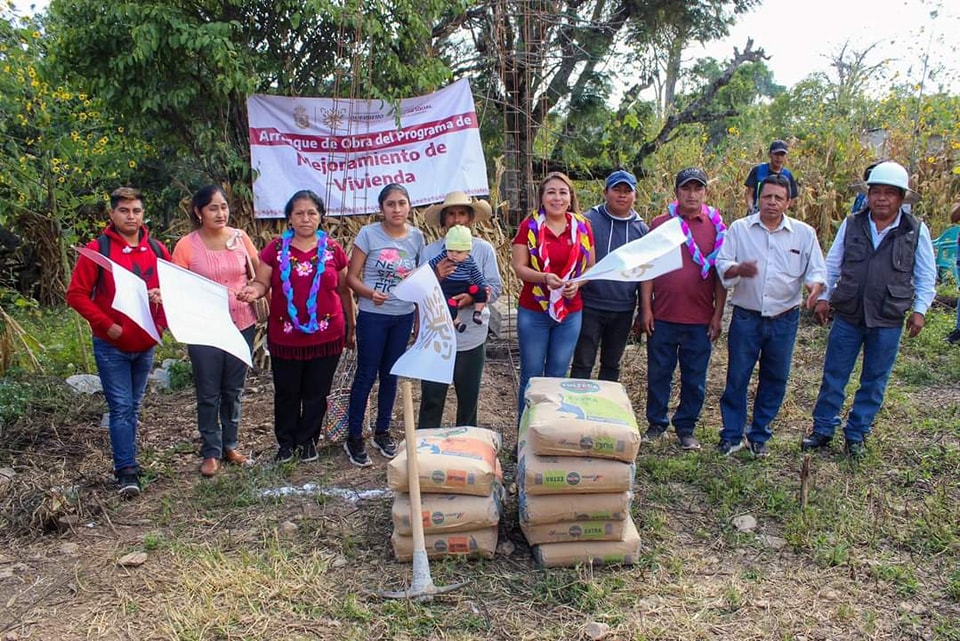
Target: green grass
(873, 536)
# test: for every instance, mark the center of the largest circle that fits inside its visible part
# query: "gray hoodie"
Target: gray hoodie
(609, 233)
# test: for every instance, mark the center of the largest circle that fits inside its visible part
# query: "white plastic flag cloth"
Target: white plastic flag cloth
(646, 258)
(198, 311)
(130, 298)
(432, 357)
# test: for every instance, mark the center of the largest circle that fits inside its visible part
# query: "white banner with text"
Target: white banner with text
(348, 150)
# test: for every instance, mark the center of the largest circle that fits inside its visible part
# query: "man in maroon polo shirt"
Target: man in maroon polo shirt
(681, 312)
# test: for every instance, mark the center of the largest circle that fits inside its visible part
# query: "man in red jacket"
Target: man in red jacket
(123, 350)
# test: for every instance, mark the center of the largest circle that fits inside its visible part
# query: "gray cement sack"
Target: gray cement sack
(449, 465)
(572, 417)
(476, 544)
(555, 508)
(444, 513)
(480, 433)
(538, 475)
(573, 531)
(624, 552)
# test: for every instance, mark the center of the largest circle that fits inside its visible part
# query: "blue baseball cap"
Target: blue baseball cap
(621, 176)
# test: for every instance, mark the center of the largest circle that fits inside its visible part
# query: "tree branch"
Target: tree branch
(698, 110)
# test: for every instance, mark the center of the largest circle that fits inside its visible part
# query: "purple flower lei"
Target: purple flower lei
(285, 265)
(710, 259)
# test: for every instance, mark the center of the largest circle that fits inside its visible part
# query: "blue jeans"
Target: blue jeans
(880, 346)
(219, 378)
(770, 340)
(546, 346)
(670, 343)
(381, 340)
(606, 332)
(123, 376)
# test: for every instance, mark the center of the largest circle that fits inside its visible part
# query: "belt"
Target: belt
(753, 312)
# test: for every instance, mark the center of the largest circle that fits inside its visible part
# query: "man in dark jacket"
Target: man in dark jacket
(122, 349)
(608, 306)
(880, 267)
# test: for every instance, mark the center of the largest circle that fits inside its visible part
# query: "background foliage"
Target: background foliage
(153, 94)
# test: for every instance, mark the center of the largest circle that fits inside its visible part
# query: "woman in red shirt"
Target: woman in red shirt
(311, 321)
(551, 247)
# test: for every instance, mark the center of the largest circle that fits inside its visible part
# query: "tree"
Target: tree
(537, 56)
(60, 153)
(181, 70)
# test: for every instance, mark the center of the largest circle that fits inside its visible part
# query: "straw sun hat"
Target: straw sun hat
(480, 208)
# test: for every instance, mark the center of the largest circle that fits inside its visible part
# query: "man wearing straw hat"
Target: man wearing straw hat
(879, 267)
(459, 209)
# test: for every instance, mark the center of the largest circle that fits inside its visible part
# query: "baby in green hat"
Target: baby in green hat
(465, 279)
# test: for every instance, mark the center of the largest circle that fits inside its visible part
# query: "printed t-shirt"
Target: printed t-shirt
(389, 261)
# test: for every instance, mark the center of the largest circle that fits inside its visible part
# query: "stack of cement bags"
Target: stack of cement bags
(461, 493)
(578, 443)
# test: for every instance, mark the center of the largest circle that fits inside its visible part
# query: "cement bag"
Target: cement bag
(571, 417)
(554, 508)
(443, 513)
(453, 465)
(475, 544)
(625, 552)
(573, 531)
(480, 433)
(571, 475)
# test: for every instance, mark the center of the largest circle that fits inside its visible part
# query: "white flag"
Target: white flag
(432, 357)
(198, 311)
(646, 258)
(130, 298)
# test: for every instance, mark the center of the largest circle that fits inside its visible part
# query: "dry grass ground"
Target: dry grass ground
(873, 555)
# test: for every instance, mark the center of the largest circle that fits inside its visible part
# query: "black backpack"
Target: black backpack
(103, 246)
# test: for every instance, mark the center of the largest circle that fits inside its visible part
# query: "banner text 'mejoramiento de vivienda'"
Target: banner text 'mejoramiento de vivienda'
(347, 151)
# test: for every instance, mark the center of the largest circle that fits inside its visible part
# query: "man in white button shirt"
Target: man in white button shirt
(766, 258)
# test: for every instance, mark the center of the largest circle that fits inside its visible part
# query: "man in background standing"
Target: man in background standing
(778, 156)
(609, 306)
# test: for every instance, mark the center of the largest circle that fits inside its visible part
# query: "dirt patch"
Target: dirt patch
(226, 559)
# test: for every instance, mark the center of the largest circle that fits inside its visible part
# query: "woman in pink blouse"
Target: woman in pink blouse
(218, 252)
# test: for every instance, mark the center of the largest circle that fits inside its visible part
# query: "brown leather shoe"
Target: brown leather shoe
(209, 467)
(235, 457)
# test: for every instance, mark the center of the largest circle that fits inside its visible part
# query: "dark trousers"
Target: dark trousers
(606, 331)
(467, 371)
(300, 398)
(219, 378)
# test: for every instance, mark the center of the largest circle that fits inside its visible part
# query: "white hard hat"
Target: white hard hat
(890, 173)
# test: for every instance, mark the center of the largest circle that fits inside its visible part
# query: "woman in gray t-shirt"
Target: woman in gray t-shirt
(383, 254)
